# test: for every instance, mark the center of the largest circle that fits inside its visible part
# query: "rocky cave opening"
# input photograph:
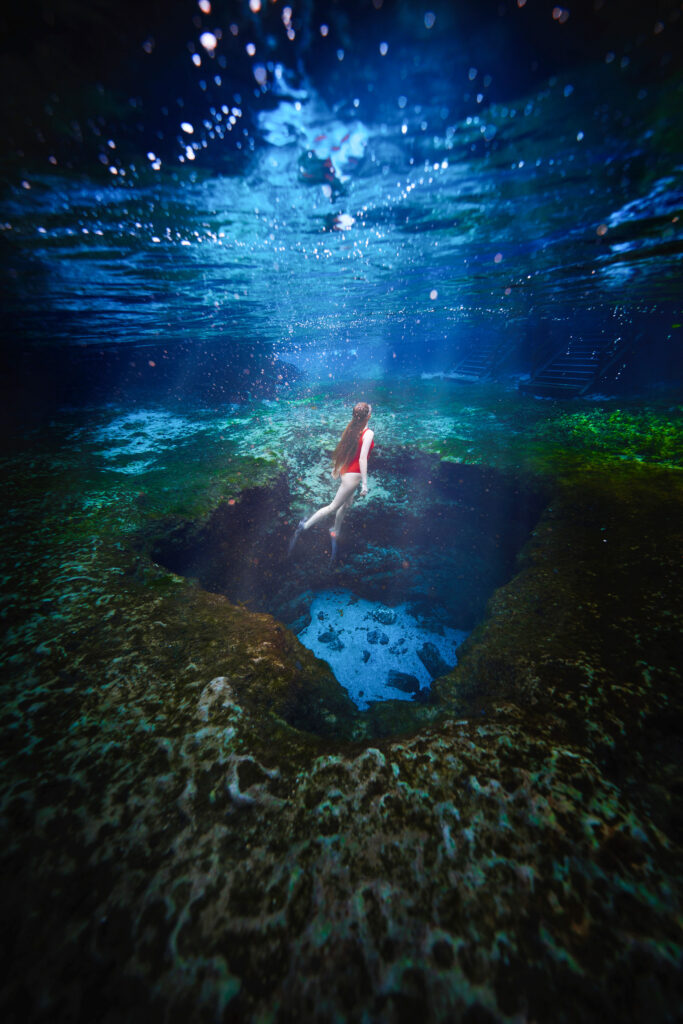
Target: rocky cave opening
(413, 578)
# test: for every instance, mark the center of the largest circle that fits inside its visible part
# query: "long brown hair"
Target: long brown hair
(348, 444)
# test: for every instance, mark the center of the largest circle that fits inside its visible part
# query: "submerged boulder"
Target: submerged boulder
(332, 639)
(387, 616)
(403, 681)
(431, 658)
(327, 637)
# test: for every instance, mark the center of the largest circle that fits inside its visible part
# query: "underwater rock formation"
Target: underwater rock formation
(199, 824)
(403, 681)
(432, 660)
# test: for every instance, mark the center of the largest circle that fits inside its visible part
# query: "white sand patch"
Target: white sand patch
(363, 641)
(146, 432)
(135, 468)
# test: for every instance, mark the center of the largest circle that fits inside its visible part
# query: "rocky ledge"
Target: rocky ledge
(198, 824)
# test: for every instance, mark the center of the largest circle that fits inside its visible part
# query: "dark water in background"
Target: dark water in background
(351, 188)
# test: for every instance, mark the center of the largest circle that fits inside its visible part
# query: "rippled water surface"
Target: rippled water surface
(319, 176)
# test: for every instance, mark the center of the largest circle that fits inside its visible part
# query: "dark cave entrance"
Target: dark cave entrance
(446, 539)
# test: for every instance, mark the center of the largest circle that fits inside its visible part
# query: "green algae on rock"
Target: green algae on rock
(197, 823)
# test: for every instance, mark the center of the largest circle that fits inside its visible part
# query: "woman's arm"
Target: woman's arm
(363, 460)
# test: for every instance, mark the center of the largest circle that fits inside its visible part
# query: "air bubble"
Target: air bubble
(208, 41)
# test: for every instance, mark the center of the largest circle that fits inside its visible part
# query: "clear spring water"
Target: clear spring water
(221, 223)
(354, 188)
(333, 192)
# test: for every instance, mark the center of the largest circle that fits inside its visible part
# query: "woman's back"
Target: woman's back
(354, 465)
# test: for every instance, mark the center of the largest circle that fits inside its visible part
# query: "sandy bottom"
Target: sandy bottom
(363, 641)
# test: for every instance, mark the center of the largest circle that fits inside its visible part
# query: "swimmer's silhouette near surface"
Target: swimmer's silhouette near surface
(350, 464)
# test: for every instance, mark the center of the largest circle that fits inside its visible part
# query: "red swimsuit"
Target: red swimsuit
(354, 466)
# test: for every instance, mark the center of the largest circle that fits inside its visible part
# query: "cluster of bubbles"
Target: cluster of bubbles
(415, 196)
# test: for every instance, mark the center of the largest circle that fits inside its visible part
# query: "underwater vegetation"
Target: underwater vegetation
(199, 821)
(437, 778)
(636, 433)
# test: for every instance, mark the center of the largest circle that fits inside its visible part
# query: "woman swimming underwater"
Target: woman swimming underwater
(350, 463)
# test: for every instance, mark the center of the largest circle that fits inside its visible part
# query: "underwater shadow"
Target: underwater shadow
(445, 541)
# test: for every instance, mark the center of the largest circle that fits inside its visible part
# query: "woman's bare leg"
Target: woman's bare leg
(341, 502)
(341, 512)
(334, 531)
(344, 496)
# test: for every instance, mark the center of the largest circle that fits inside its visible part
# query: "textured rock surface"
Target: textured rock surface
(403, 681)
(198, 825)
(432, 660)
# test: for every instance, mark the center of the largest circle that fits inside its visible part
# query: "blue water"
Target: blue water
(364, 190)
(438, 778)
(364, 642)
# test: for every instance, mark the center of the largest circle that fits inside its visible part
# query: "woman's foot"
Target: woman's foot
(335, 547)
(297, 534)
